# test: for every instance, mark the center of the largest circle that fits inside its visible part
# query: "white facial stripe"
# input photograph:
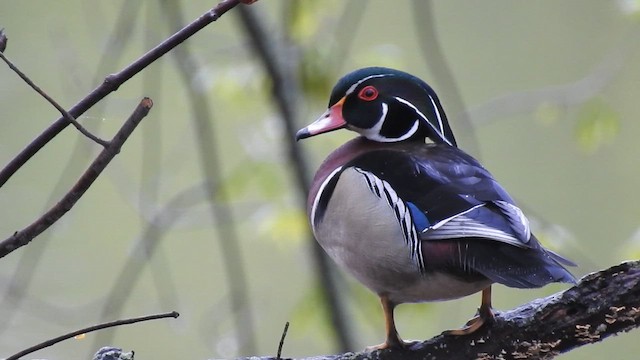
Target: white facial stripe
(435, 108)
(440, 131)
(314, 207)
(354, 86)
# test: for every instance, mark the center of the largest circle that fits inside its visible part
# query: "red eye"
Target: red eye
(368, 93)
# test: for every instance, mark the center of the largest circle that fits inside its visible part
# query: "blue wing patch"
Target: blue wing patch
(419, 218)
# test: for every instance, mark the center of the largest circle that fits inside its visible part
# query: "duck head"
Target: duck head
(384, 105)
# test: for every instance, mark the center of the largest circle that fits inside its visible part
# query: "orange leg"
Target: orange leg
(393, 340)
(485, 315)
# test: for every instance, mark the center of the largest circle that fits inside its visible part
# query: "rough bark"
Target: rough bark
(602, 304)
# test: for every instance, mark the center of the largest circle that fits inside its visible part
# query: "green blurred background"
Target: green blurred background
(550, 88)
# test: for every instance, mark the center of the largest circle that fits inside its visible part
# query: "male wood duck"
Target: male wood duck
(416, 221)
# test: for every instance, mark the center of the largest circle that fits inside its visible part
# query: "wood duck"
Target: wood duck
(416, 221)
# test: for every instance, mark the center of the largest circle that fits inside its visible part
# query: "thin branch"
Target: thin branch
(64, 112)
(111, 83)
(284, 93)
(24, 236)
(281, 344)
(28, 264)
(602, 304)
(58, 339)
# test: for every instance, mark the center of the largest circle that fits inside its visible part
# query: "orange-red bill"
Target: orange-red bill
(329, 121)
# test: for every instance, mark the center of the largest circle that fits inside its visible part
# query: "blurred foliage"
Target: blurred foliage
(310, 312)
(548, 114)
(317, 76)
(632, 248)
(285, 225)
(631, 7)
(305, 20)
(254, 180)
(597, 124)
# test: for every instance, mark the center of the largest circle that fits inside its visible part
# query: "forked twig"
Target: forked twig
(24, 236)
(64, 112)
(112, 82)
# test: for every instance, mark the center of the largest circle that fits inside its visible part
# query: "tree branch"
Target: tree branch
(602, 304)
(24, 236)
(58, 339)
(111, 83)
(51, 101)
(28, 264)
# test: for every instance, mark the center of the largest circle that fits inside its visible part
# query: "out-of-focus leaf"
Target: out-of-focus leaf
(598, 124)
(307, 18)
(316, 77)
(232, 84)
(548, 114)
(310, 312)
(304, 24)
(254, 180)
(630, 7)
(286, 226)
(631, 250)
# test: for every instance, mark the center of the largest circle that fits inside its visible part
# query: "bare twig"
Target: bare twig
(58, 339)
(28, 264)
(24, 236)
(64, 112)
(284, 94)
(281, 344)
(602, 304)
(111, 83)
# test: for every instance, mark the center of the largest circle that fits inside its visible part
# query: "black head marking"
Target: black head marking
(406, 108)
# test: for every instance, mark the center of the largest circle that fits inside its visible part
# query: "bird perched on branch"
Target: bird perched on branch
(416, 221)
